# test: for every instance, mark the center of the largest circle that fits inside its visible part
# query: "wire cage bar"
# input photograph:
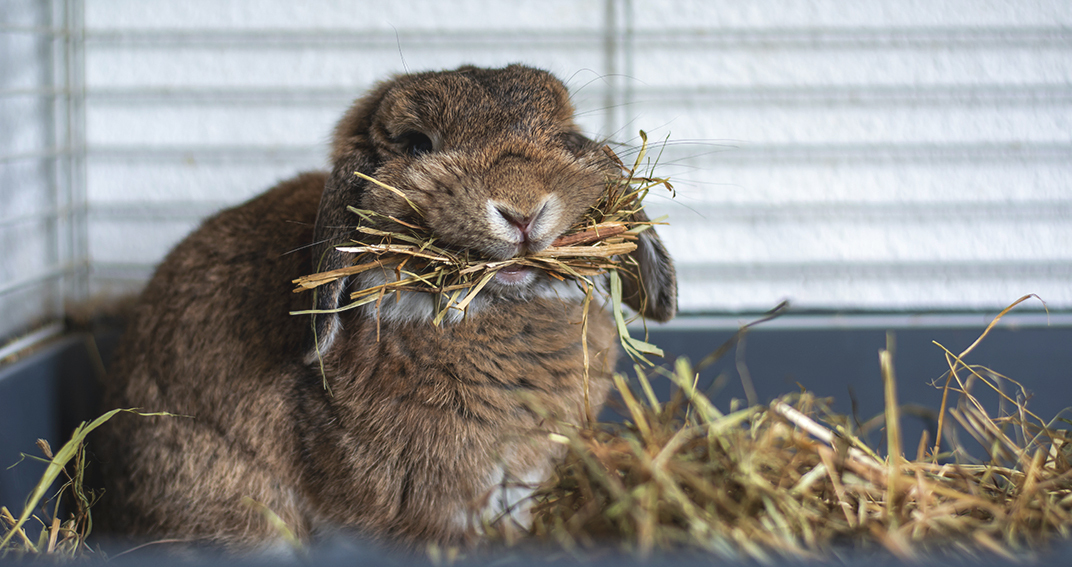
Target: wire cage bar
(42, 167)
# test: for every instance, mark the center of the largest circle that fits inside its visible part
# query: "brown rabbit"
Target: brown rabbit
(423, 432)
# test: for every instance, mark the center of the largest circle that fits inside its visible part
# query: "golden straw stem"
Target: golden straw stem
(893, 431)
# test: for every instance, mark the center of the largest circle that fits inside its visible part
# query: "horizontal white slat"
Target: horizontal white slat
(369, 16)
(27, 129)
(40, 278)
(27, 248)
(21, 46)
(862, 124)
(556, 14)
(316, 67)
(716, 179)
(851, 94)
(866, 14)
(148, 180)
(686, 65)
(21, 14)
(981, 152)
(24, 189)
(138, 241)
(854, 288)
(871, 237)
(276, 151)
(221, 125)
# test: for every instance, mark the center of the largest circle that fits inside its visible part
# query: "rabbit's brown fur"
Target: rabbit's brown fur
(419, 426)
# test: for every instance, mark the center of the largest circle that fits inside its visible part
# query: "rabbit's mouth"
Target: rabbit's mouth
(514, 275)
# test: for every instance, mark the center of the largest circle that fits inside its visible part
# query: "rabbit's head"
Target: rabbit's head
(495, 165)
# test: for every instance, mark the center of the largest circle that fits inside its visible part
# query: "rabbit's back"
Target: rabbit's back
(211, 340)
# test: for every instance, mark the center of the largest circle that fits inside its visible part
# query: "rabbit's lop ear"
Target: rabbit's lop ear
(353, 150)
(650, 286)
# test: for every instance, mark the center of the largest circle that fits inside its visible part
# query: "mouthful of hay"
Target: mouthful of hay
(597, 244)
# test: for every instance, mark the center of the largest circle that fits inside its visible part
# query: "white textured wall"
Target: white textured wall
(192, 106)
(875, 154)
(28, 247)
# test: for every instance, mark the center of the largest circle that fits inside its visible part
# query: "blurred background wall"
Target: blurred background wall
(869, 156)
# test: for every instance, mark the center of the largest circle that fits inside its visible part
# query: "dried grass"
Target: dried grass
(772, 481)
(764, 482)
(595, 245)
(59, 537)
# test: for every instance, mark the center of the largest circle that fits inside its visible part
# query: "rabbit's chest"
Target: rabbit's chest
(449, 424)
(537, 345)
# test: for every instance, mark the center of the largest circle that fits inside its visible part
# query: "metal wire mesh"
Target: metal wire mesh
(878, 157)
(42, 165)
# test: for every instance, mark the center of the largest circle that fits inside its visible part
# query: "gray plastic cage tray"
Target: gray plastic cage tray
(46, 394)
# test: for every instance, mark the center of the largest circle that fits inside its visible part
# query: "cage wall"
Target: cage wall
(43, 245)
(878, 156)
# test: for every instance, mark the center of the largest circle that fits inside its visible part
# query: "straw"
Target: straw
(783, 481)
(597, 244)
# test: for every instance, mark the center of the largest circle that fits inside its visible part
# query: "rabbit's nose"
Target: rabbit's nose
(527, 228)
(523, 223)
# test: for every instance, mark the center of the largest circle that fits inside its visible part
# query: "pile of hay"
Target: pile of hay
(772, 481)
(761, 482)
